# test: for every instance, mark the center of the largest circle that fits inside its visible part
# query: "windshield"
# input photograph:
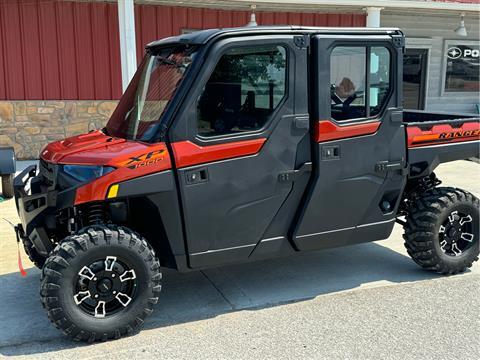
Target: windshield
(143, 104)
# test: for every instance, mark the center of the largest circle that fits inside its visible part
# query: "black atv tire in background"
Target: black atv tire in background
(101, 283)
(7, 186)
(442, 230)
(32, 253)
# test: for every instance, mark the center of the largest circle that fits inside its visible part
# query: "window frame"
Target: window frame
(367, 45)
(238, 45)
(447, 43)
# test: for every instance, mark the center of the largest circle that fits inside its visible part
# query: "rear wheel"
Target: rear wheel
(101, 283)
(442, 230)
(7, 186)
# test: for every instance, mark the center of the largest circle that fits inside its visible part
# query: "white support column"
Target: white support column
(128, 50)
(373, 16)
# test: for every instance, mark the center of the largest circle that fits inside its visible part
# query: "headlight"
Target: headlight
(84, 173)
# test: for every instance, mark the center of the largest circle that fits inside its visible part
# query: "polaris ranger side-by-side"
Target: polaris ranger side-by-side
(237, 145)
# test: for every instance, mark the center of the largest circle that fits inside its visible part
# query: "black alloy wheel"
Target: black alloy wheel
(101, 283)
(442, 230)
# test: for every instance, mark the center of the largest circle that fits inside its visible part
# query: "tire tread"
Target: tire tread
(419, 230)
(83, 241)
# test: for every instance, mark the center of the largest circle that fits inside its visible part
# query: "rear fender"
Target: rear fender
(423, 160)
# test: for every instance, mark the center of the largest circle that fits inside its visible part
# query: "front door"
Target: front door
(359, 150)
(241, 135)
(414, 75)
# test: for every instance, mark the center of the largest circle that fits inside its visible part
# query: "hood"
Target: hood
(94, 148)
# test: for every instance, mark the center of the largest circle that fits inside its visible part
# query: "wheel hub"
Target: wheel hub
(455, 234)
(105, 287)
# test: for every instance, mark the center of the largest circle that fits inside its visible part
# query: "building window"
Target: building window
(462, 67)
(353, 95)
(244, 90)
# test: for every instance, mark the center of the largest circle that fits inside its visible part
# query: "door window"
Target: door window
(354, 95)
(244, 90)
(347, 82)
(379, 84)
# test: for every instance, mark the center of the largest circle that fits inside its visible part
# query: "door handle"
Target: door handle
(196, 176)
(330, 152)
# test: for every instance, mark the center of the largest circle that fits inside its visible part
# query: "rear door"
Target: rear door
(359, 142)
(241, 147)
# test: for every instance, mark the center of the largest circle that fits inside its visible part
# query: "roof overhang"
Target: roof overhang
(204, 36)
(324, 5)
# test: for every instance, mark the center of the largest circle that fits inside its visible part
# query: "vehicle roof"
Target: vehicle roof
(203, 36)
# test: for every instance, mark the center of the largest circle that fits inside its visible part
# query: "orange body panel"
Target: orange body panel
(442, 134)
(326, 130)
(187, 153)
(152, 159)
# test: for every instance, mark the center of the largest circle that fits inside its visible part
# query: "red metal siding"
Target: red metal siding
(53, 49)
(12, 50)
(49, 51)
(30, 36)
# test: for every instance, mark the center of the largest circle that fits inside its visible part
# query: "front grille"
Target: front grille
(48, 173)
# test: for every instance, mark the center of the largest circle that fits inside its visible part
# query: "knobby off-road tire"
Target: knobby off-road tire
(7, 186)
(32, 253)
(433, 235)
(100, 248)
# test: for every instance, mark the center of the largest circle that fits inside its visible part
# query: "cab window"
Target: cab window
(347, 82)
(359, 81)
(244, 90)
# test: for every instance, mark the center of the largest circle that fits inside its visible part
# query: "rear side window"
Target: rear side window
(359, 81)
(244, 90)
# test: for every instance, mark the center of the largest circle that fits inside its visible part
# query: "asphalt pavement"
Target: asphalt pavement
(366, 301)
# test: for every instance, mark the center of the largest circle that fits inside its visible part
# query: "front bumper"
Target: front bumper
(37, 208)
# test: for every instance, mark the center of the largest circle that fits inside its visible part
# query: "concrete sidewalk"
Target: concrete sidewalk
(363, 301)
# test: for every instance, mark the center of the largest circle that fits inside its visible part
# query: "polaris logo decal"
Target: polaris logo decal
(150, 158)
(456, 53)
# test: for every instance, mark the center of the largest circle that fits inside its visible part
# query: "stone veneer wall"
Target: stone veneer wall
(29, 125)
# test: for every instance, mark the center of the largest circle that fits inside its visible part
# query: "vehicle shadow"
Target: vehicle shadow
(205, 294)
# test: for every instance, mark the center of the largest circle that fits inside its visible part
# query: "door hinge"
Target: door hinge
(383, 167)
(301, 41)
(398, 40)
(290, 176)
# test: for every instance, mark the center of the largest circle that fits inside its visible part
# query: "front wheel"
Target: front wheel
(100, 284)
(7, 186)
(442, 230)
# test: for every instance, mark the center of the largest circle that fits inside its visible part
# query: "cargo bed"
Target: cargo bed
(434, 138)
